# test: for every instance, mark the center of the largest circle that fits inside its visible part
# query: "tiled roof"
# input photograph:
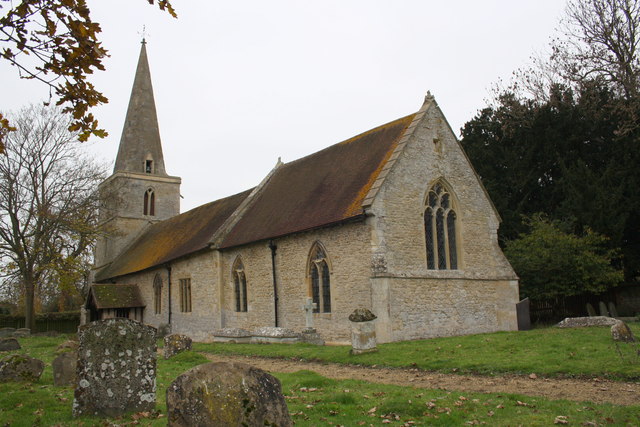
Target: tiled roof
(323, 188)
(175, 237)
(116, 296)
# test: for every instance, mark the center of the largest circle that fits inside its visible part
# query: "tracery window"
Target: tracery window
(157, 293)
(440, 230)
(240, 285)
(320, 276)
(185, 295)
(149, 202)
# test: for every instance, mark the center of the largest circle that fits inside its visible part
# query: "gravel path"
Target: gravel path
(594, 390)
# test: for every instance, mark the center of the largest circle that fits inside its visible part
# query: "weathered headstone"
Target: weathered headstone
(523, 313)
(272, 334)
(20, 368)
(176, 343)
(621, 332)
(64, 368)
(363, 331)
(613, 312)
(591, 311)
(9, 344)
(22, 332)
(226, 394)
(308, 308)
(603, 309)
(581, 322)
(164, 329)
(116, 368)
(234, 335)
(7, 332)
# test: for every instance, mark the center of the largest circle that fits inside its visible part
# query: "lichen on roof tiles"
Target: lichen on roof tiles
(116, 296)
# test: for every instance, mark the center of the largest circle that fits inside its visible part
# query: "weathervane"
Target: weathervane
(144, 34)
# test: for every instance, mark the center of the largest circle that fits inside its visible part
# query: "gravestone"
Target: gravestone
(309, 333)
(116, 371)
(581, 322)
(164, 329)
(22, 332)
(64, 368)
(9, 344)
(272, 334)
(226, 394)
(20, 368)
(234, 335)
(7, 332)
(603, 309)
(363, 331)
(176, 343)
(612, 309)
(620, 332)
(591, 311)
(523, 313)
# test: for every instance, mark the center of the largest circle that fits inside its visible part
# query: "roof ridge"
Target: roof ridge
(360, 135)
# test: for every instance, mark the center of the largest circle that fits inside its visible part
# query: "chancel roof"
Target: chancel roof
(324, 188)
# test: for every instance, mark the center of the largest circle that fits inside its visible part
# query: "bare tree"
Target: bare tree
(48, 203)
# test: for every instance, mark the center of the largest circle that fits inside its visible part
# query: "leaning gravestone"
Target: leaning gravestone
(9, 344)
(226, 394)
(591, 311)
(363, 331)
(64, 368)
(116, 371)
(20, 368)
(176, 343)
(621, 332)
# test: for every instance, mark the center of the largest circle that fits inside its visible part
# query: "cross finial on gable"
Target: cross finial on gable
(428, 97)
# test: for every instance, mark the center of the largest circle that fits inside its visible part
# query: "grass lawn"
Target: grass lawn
(550, 352)
(314, 400)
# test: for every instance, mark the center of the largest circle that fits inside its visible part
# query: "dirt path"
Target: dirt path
(596, 390)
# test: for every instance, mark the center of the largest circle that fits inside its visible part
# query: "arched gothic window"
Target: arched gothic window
(440, 230)
(157, 293)
(320, 280)
(149, 202)
(240, 285)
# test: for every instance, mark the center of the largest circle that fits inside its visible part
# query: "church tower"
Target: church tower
(140, 192)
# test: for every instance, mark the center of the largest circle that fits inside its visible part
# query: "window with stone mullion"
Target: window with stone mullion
(440, 230)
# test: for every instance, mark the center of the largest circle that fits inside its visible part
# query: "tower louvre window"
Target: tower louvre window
(149, 203)
(148, 166)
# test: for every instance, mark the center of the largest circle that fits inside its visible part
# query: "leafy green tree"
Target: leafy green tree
(62, 42)
(553, 263)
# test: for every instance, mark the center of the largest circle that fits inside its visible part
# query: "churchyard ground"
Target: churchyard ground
(402, 381)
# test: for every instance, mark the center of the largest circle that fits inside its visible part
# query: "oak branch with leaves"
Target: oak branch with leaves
(56, 42)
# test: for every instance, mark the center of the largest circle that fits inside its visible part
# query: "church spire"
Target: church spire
(140, 148)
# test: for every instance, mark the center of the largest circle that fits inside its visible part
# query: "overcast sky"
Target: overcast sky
(240, 83)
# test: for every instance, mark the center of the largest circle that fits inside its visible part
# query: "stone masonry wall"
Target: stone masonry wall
(399, 248)
(347, 248)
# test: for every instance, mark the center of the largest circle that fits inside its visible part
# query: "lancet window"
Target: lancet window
(240, 286)
(157, 293)
(440, 223)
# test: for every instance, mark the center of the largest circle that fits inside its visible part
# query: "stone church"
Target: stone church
(394, 220)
